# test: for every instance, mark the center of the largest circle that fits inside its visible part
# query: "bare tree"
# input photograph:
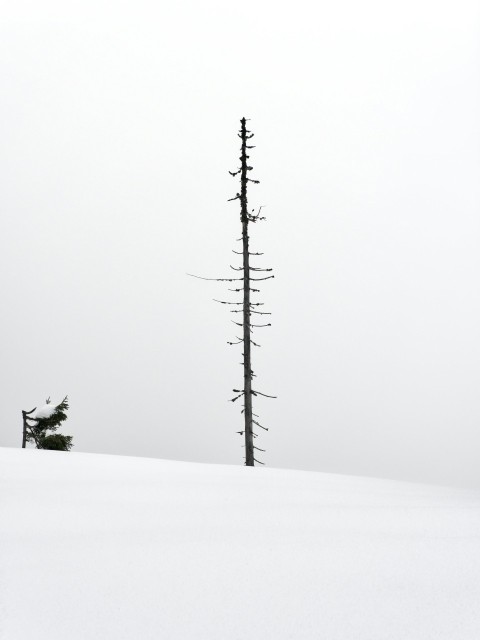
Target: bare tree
(247, 308)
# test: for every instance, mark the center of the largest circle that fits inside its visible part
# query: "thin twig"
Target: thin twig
(215, 279)
(259, 393)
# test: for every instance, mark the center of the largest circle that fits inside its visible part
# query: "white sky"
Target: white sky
(118, 124)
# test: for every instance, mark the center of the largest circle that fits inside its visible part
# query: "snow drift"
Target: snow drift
(96, 546)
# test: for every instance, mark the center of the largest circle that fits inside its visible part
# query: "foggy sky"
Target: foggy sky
(119, 124)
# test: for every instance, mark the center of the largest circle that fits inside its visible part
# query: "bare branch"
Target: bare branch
(216, 279)
(259, 393)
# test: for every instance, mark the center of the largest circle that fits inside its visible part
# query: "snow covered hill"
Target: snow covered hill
(108, 547)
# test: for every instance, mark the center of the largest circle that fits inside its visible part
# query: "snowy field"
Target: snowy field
(106, 547)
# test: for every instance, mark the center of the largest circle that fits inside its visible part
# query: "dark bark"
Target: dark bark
(25, 415)
(247, 358)
(24, 437)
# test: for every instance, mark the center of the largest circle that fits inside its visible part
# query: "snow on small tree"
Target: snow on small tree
(47, 419)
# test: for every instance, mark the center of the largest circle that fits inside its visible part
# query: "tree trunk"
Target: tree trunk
(25, 426)
(247, 359)
(24, 438)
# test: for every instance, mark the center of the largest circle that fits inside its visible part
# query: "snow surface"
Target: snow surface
(45, 412)
(107, 547)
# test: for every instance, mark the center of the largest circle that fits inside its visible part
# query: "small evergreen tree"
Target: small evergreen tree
(47, 419)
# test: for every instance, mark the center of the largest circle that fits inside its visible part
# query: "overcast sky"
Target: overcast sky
(119, 125)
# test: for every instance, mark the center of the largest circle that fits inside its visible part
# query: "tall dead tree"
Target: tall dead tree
(248, 308)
